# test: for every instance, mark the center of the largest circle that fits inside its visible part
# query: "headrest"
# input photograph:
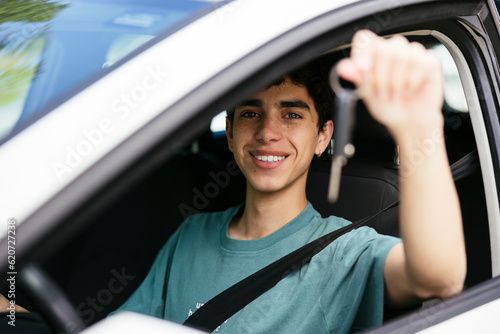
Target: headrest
(367, 129)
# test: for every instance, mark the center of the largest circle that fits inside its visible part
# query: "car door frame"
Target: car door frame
(105, 180)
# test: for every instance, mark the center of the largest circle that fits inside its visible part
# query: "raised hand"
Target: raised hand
(401, 81)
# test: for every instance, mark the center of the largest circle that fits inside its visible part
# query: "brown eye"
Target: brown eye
(249, 114)
(292, 115)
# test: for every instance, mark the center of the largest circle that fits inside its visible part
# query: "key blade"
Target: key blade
(344, 123)
(335, 175)
(344, 119)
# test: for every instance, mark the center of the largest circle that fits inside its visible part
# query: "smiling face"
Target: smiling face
(274, 136)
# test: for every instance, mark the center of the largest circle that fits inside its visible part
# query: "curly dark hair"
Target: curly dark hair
(314, 77)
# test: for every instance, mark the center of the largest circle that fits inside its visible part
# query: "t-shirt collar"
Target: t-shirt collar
(257, 245)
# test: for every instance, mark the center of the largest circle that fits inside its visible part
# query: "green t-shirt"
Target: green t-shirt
(339, 291)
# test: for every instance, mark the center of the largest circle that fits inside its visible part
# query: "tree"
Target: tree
(28, 10)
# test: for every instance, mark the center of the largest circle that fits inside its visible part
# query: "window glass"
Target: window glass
(219, 123)
(453, 89)
(48, 49)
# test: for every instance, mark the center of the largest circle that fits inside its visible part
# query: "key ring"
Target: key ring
(338, 89)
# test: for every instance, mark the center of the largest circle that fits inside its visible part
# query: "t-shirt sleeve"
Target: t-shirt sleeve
(149, 298)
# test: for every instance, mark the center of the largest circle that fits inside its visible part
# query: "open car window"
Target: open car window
(202, 176)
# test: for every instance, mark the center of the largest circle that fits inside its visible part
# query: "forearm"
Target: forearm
(430, 218)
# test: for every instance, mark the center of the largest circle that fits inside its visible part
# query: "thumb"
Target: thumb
(356, 67)
(353, 70)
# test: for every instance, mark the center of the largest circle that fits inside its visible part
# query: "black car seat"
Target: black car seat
(369, 181)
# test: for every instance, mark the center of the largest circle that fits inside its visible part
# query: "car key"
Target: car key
(344, 120)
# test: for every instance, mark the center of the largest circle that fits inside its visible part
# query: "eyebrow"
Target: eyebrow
(251, 103)
(281, 104)
(294, 104)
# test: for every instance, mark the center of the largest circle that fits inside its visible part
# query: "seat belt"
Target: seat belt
(220, 308)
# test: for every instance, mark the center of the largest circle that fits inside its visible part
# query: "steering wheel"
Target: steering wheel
(49, 300)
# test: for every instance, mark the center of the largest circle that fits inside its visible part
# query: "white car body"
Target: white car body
(89, 129)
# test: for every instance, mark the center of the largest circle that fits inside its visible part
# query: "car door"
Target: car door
(468, 30)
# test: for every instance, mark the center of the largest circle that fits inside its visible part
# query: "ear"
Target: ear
(324, 137)
(229, 134)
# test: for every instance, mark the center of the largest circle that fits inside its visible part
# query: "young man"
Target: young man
(274, 136)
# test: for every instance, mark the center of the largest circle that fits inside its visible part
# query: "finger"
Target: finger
(400, 65)
(349, 70)
(362, 43)
(422, 67)
(360, 61)
(381, 73)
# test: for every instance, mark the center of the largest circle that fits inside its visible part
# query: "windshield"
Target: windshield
(51, 48)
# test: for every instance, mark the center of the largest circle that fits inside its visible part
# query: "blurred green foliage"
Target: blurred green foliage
(21, 44)
(17, 70)
(28, 10)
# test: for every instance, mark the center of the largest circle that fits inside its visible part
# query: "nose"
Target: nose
(269, 130)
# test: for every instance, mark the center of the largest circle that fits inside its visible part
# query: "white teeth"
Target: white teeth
(269, 158)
